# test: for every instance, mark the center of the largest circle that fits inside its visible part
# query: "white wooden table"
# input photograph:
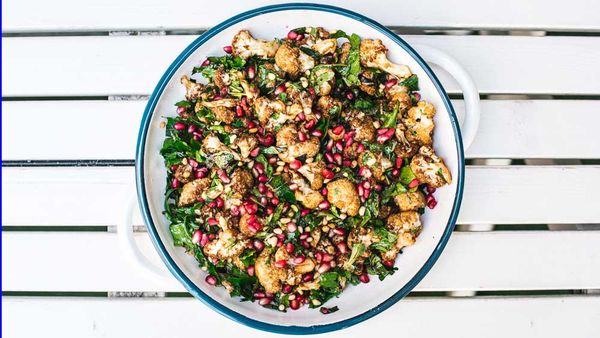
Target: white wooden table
(75, 78)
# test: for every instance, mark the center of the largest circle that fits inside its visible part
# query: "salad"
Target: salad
(300, 165)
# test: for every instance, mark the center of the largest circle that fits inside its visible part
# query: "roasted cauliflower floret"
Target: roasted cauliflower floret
(292, 60)
(313, 172)
(268, 275)
(304, 194)
(429, 168)
(326, 104)
(223, 114)
(192, 190)
(376, 162)
(410, 201)
(227, 245)
(265, 108)
(323, 78)
(287, 135)
(308, 148)
(245, 46)
(363, 127)
(245, 143)
(343, 195)
(404, 148)
(398, 95)
(192, 89)
(302, 98)
(419, 122)
(405, 225)
(373, 54)
(184, 173)
(241, 181)
(325, 46)
(345, 51)
(212, 144)
(227, 103)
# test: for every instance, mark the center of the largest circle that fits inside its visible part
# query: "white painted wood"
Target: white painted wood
(505, 260)
(493, 194)
(115, 65)
(66, 15)
(490, 317)
(71, 130)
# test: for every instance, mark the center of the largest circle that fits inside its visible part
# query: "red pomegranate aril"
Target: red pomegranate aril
(360, 148)
(268, 140)
(212, 221)
(272, 160)
(251, 72)
(390, 132)
(258, 245)
(196, 236)
(222, 174)
(289, 247)
(294, 304)
(286, 289)
(204, 240)
(259, 167)
(414, 183)
(348, 142)
(378, 187)
(280, 236)
(228, 49)
(175, 183)
(235, 211)
(210, 279)
(395, 172)
(342, 247)
(212, 204)
(317, 133)
(263, 179)
(239, 112)
(350, 96)
(270, 210)
(364, 172)
(300, 37)
(338, 130)
(388, 264)
(197, 137)
(390, 83)
(329, 157)
(193, 163)
(262, 188)
(264, 301)
(251, 125)
(295, 164)
(324, 205)
(324, 268)
(417, 96)
(364, 278)
(327, 174)
(274, 200)
(310, 124)
(361, 190)
(279, 89)
(300, 116)
(220, 202)
(382, 131)
(250, 208)
(319, 256)
(347, 163)
(179, 126)
(291, 227)
(301, 136)
(202, 172)
(431, 204)
(339, 231)
(329, 145)
(339, 146)
(366, 185)
(307, 277)
(263, 200)
(338, 158)
(212, 236)
(280, 263)
(292, 35)
(205, 63)
(270, 194)
(174, 167)
(430, 189)
(304, 235)
(327, 257)
(299, 259)
(304, 212)
(258, 295)
(399, 162)
(324, 191)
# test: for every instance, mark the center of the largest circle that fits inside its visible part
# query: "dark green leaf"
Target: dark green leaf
(181, 236)
(412, 82)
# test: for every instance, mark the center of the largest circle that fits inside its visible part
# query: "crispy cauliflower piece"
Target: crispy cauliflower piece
(367, 84)
(265, 108)
(223, 114)
(286, 136)
(227, 103)
(363, 126)
(184, 173)
(342, 194)
(268, 275)
(419, 122)
(245, 45)
(410, 201)
(324, 46)
(212, 144)
(345, 51)
(292, 60)
(304, 194)
(404, 148)
(429, 168)
(313, 172)
(192, 89)
(407, 226)
(245, 143)
(308, 148)
(373, 54)
(301, 97)
(326, 103)
(241, 181)
(192, 190)
(376, 162)
(324, 78)
(227, 245)
(398, 95)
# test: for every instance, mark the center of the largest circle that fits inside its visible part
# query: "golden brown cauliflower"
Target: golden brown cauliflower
(241, 181)
(228, 244)
(324, 80)
(292, 60)
(373, 54)
(287, 135)
(419, 122)
(363, 126)
(184, 173)
(223, 114)
(376, 162)
(398, 95)
(265, 108)
(245, 46)
(244, 223)
(192, 89)
(410, 201)
(313, 172)
(429, 168)
(404, 148)
(324, 46)
(407, 226)
(326, 103)
(304, 194)
(245, 143)
(343, 195)
(345, 51)
(192, 190)
(308, 148)
(227, 103)
(301, 97)
(268, 275)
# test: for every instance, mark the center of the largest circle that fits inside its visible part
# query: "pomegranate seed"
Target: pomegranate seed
(347, 163)
(329, 145)
(289, 247)
(300, 37)
(329, 157)
(280, 263)
(220, 202)
(388, 264)
(251, 125)
(294, 304)
(264, 301)
(212, 204)
(339, 146)
(304, 212)
(295, 164)
(191, 129)
(217, 98)
(382, 131)
(263, 178)
(324, 191)
(210, 279)
(251, 72)
(338, 130)
(250, 270)
(270, 194)
(239, 112)
(414, 183)
(202, 172)
(212, 221)
(378, 187)
(324, 205)
(222, 174)
(364, 278)
(263, 200)
(350, 96)
(174, 167)
(324, 268)
(262, 188)
(361, 190)
(327, 257)
(204, 240)
(417, 96)
(317, 133)
(327, 174)
(430, 189)
(279, 89)
(272, 160)
(390, 83)
(366, 185)
(196, 236)
(348, 142)
(318, 256)
(399, 162)
(258, 245)
(299, 260)
(205, 63)
(339, 231)
(310, 124)
(307, 277)
(197, 136)
(301, 136)
(274, 200)
(304, 235)
(268, 140)
(342, 247)
(258, 294)
(228, 49)
(179, 126)
(292, 35)
(395, 173)
(270, 210)
(212, 236)
(175, 183)
(300, 116)
(286, 289)
(193, 162)
(338, 158)
(364, 172)
(432, 203)
(251, 208)
(291, 227)
(280, 236)
(259, 167)
(360, 148)
(235, 211)
(390, 132)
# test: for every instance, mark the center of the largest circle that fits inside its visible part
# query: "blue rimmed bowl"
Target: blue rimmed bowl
(356, 303)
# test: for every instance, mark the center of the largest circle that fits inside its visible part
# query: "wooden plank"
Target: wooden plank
(117, 65)
(492, 317)
(508, 129)
(503, 260)
(71, 15)
(493, 195)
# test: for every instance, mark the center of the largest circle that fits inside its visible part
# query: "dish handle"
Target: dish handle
(129, 246)
(470, 123)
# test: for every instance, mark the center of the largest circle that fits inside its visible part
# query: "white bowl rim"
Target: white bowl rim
(180, 275)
